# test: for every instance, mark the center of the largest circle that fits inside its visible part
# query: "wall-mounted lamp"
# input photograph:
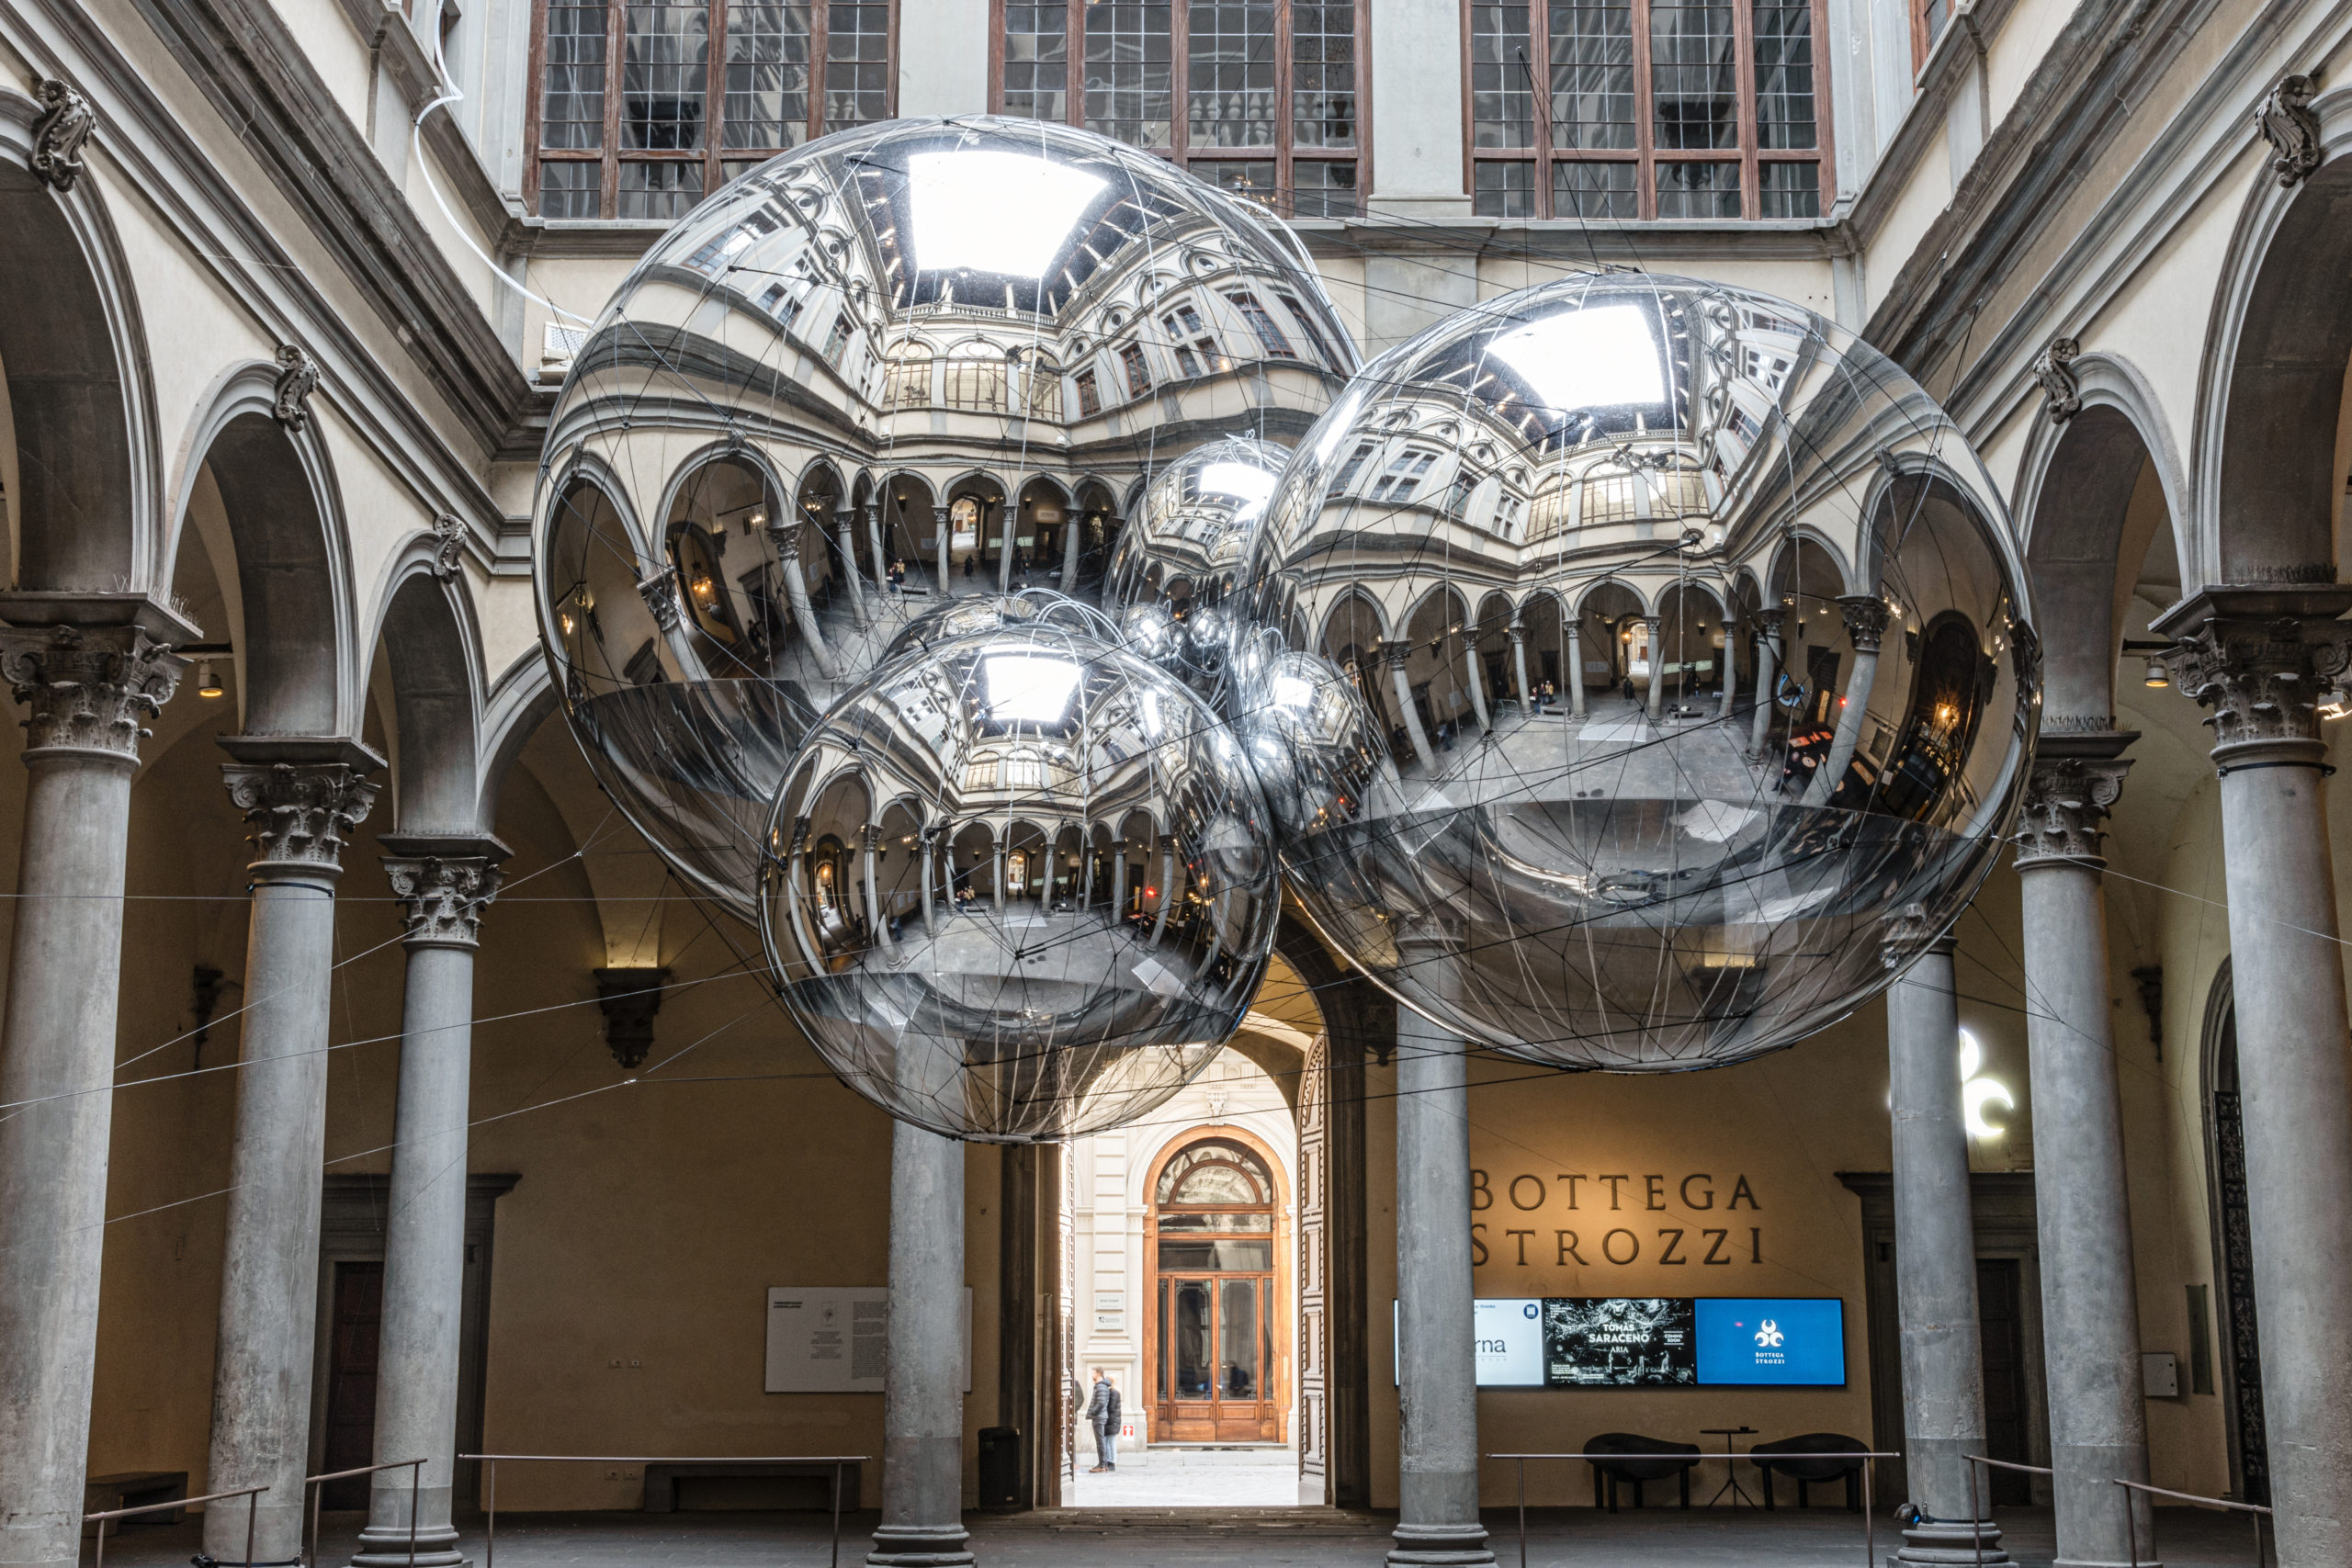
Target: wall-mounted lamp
(208, 684)
(1976, 1093)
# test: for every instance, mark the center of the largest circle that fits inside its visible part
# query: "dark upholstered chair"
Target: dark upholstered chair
(1793, 1457)
(1645, 1459)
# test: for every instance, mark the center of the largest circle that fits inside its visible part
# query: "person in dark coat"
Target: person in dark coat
(1103, 1410)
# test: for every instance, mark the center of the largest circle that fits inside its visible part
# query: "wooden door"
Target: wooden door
(1215, 1328)
(2001, 1328)
(351, 1381)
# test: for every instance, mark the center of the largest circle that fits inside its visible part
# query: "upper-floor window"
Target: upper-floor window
(1138, 373)
(1261, 97)
(634, 114)
(1707, 110)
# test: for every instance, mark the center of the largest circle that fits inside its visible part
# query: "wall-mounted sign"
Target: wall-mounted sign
(835, 1338)
(1660, 1341)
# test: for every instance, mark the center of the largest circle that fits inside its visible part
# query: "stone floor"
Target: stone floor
(1254, 1477)
(1176, 1537)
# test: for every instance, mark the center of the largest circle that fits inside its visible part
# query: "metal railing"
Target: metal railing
(490, 1480)
(2132, 1525)
(1976, 1509)
(252, 1504)
(1870, 1525)
(316, 1486)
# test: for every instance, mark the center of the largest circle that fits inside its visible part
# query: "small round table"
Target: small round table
(1731, 1478)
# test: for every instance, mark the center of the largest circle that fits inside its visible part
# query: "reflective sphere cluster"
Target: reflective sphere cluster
(1020, 885)
(1177, 566)
(1640, 667)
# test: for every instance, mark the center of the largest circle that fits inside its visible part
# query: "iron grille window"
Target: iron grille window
(1648, 109)
(639, 107)
(1259, 96)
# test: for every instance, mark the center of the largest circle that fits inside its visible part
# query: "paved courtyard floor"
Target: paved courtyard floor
(1180, 1538)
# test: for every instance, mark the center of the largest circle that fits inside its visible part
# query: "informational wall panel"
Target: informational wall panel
(835, 1338)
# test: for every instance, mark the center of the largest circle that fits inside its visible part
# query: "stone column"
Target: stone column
(1070, 526)
(1397, 653)
(1011, 525)
(1478, 684)
(301, 799)
(946, 533)
(786, 537)
(1729, 672)
(844, 530)
(2090, 1301)
(1519, 667)
(930, 889)
(1576, 669)
(1935, 1261)
(444, 885)
(923, 1397)
(1865, 625)
(2261, 660)
(1437, 1390)
(1119, 882)
(1767, 647)
(87, 690)
(1167, 887)
(1656, 696)
(881, 556)
(869, 855)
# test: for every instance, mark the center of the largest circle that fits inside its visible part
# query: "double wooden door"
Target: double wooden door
(1216, 1359)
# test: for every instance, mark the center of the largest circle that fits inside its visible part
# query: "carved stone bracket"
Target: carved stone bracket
(630, 999)
(2066, 801)
(65, 123)
(2266, 671)
(89, 689)
(449, 546)
(2061, 395)
(444, 896)
(1865, 615)
(2285, 119)
(301, 814)
(298, 377)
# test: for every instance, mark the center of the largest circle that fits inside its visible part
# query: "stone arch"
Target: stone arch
(85, 469)
(432, 652)
(2074, 495)
(283, 513)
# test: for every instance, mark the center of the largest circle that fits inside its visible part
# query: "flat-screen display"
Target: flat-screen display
(1660, 1341)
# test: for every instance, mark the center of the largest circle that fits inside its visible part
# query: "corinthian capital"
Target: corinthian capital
(443, 886)
(2262, 659)
(301, 814)
(2066, 801)
(1865, 616)
(88, 689)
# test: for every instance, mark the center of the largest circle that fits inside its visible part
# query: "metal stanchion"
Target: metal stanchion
(841, 1463)
(314, 1485)
(252, 1494)
(1869, 1531)
(2253, 1509)
(1522, 1513)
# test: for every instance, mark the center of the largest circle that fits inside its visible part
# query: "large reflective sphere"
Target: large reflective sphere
(1645, 661)
(1180, 559)
(1020, 885)
(921, 361)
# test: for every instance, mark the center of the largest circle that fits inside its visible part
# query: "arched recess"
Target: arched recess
(2271, 387)
(282, 511)
(1216, 1334)
(84, 474)
(431, 650)
(2083, 556)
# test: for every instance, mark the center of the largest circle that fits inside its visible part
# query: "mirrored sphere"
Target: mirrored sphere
(1180, 559)
(1021, 886)
(1647, 663)
(919, 362)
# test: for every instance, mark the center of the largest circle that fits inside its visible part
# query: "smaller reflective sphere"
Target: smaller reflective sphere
(1019, 886)
(1178, 565)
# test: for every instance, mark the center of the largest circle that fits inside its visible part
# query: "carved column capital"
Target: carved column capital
(1909, 935)
(784, 538)
(443, 885)
(1396, 654)
(1865, 616)
(2066, 801)
(2265, 660)
(89, 689)
(1769, 622)
(660, 593)
(301, 814)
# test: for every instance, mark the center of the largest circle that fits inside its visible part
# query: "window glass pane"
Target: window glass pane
(571, 105)
(1502, 95)
(1173, 1224)
(664, 190)
(1698, 190)
(767, 74)
(1237, 1340)
(1188, 1346)
(1784, 73)
(1693, 76)
(857, 65)
(1323, 189)
(1790, 190)
(664, 67)
(736, 168)
(1264, 326)
(1504, 190)
(1129, 74)
(1230, 99)
(1138, 373)
(1232, 1257)
(1036, 60)
(1323, 75)
(1251, 177)
(1216, 1184)
(1592, 74)
(570, 189)
(1596, 190)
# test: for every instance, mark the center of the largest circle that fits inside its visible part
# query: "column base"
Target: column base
(919, 1546)
(1440, 1546)
(1952, 1542)
(386, 1546)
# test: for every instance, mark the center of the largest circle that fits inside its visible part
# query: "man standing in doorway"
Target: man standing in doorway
(1103, 1409)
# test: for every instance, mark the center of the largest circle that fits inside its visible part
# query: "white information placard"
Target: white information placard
(834, 1339)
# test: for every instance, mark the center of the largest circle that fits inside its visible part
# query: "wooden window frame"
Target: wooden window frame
(1285, 155)
(1645, 155)
(711, 155)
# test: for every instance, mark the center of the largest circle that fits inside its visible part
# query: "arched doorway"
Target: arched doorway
(2240, 1330)
(1216, 1337)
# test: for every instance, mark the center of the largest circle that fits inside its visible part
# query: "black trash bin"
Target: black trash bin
(999, 1469)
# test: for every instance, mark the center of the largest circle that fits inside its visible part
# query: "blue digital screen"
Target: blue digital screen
(1772, 1340)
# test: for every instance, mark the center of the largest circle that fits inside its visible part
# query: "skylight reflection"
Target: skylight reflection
(1250, 486)
(1581, 359)
(1028, 688)
(994, 212)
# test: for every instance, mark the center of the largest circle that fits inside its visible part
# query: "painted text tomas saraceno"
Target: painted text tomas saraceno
(1612, 1227)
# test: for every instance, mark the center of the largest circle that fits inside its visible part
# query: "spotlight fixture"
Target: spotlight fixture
(208, 684)
(2157, 677)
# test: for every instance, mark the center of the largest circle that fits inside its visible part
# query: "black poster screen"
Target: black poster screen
(1620, 1341)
